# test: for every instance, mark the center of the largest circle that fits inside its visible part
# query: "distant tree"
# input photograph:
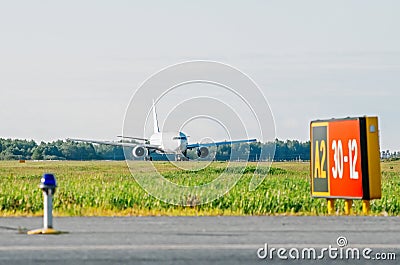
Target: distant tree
(108, 152)
(78, 151)
(16, 149)
(38, 152)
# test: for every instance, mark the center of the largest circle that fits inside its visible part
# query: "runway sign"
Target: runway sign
(345, 158)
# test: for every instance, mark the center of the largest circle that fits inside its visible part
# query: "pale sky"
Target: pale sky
(69, 68)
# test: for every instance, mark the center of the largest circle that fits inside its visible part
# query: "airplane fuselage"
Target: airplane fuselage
(170, 142)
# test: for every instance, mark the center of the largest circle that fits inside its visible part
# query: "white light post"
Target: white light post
(48, 185)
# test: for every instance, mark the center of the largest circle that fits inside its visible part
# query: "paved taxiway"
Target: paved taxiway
(191, 240)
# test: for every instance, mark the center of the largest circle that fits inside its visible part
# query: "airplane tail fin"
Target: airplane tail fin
(155, 120)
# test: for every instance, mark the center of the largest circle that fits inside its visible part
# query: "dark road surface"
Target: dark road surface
(198, 240)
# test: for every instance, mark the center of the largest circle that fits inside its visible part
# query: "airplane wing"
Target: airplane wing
(133, 138)
(122, 144)
(191, 146)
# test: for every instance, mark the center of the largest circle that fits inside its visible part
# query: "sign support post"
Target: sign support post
(365, 206)
(331, 206)
(347, 206)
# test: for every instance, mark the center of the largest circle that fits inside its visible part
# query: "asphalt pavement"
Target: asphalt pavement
(203, 240)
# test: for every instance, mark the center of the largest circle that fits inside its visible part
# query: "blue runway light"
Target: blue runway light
(48, 180)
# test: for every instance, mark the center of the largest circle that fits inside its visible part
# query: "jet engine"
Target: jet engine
(139, 151)
(202, 152)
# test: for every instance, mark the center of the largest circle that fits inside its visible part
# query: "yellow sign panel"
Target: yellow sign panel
(374, 165)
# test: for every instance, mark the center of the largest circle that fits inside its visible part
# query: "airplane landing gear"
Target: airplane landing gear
(181, 158)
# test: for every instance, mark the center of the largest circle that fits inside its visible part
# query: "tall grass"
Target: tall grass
(108, 188)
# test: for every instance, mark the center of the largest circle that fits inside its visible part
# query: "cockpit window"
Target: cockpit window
(179, 138)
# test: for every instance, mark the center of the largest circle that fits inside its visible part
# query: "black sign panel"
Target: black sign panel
(319, 163)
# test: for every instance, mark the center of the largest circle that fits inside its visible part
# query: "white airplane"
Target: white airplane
(164, 142)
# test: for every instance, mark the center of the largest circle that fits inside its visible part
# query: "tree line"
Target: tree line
(17, 149)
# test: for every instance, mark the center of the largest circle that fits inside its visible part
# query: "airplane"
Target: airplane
(164, 142)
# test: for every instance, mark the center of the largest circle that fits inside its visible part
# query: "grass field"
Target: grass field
(107, 188)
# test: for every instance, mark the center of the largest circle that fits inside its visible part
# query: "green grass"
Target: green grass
(108, 188)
